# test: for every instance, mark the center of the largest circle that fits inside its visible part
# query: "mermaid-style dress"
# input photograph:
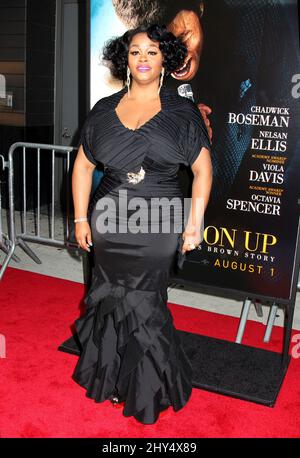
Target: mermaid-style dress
(130, 347)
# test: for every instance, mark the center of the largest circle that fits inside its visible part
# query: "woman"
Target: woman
(131, 351)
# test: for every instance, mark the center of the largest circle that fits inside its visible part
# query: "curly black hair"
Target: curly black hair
(115, 50)
(136, 12)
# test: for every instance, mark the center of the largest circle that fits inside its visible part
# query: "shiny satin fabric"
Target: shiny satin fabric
(130, 345)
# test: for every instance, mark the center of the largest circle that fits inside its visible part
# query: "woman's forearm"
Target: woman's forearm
(201, 188)
(81, 189)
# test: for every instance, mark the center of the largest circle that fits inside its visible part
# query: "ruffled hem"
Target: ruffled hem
(131, 347)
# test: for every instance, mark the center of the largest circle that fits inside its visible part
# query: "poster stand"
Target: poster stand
(232, 368)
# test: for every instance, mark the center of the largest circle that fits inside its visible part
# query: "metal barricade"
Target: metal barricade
(8, 243)
(5, 242)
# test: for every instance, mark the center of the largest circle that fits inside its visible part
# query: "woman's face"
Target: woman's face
(144, 58)
(186, 24)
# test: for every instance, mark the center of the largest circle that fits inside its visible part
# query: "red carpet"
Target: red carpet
(38, 398)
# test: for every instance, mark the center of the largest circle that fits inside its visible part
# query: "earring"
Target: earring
(161, 79)
(128, 81)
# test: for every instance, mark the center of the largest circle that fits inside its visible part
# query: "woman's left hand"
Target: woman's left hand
(191, 239)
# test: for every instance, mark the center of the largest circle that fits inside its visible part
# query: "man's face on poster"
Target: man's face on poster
(187, 25)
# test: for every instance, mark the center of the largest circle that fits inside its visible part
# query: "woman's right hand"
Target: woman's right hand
(191, 236)
(83, 235)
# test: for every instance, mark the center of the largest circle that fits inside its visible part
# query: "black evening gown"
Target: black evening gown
(130, 347)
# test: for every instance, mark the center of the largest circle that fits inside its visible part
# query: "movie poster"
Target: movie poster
(243, 66)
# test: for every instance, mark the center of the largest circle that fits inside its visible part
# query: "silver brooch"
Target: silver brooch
(136, 177)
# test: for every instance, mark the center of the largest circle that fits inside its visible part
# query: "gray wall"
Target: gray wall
(12, 58)
(27, 40)
(40, 54)
(27, 50)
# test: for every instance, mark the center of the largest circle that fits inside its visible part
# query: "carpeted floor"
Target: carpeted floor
(38, 397)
